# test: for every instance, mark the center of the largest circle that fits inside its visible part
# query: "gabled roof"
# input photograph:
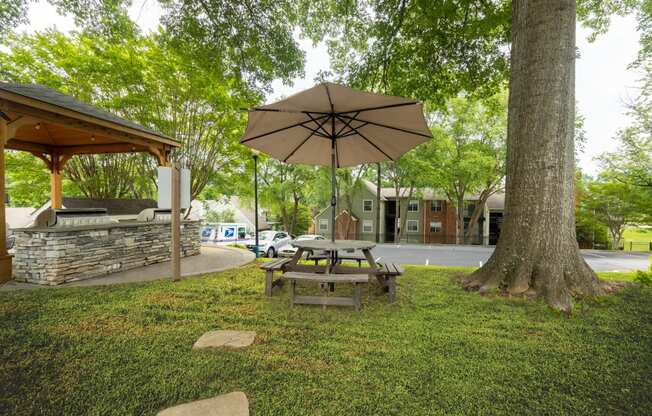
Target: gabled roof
(53, 97)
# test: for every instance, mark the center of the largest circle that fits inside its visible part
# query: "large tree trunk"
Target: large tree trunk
(538, 252)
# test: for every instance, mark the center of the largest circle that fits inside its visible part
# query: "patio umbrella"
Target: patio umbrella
(330, 124)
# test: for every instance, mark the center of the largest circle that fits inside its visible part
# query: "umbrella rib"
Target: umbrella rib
(320, 126)
(301, 124)
(347, 124)
(382, 107)
(429, 136)
(280, 110)
(303, 142)
(370, 142)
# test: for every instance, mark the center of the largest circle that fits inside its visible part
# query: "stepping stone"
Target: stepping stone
(231, 404)
(228, 339)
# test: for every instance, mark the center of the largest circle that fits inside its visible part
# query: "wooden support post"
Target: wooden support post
(55, 181)
(5, 260)
(176, 223)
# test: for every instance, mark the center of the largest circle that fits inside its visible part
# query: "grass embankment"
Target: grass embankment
(637, 239)
(126, 349)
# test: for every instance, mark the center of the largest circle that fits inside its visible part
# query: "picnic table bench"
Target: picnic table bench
(270, 267)
(355, 279)
(386, 275)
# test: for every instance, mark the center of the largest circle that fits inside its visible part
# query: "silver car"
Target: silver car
(270, 242)
(290, 250)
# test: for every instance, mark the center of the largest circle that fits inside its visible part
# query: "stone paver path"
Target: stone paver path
(228, 339)
(231, 404)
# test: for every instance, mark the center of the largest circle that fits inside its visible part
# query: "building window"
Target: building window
(435, 206)
(367, 226)
(413, 226)
(367, 205)
(413, 205)
(435, 227)
(469, 207)
(323, 225)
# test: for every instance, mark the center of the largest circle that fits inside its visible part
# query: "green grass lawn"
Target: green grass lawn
(126, 349)
(639, 236)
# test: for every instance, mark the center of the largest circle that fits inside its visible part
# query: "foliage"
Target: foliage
(644, 278)
(225, 216)
(414, 48)
(249, 41)
(126, 350)
(597, 14)
(468, 152)
(632, 162)
(613, 204)
(27, 180)
(284, 189)
(145, 80)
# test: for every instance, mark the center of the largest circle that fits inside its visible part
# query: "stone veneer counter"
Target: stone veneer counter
(54, 255)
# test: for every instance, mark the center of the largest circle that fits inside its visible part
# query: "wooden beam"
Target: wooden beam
(21, 121)
(17, 102)
(15, 144)
(91, 149)
(56, 197)
(81, 124)
(5, 260)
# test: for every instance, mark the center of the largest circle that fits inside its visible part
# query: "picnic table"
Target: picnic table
(334, 272)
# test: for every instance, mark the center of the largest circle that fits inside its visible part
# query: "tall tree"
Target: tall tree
(613, 204)
(537, 251)
(143, 79)
(468, 155)
(285, 190)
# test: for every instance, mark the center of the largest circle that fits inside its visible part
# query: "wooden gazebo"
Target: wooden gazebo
(55, 127)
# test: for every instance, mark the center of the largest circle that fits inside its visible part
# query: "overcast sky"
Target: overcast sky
(603, 82)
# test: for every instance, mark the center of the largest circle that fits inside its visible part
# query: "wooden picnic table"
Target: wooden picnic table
(333, 272)
(333, 248)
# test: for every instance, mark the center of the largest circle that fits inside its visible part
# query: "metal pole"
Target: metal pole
(378, 203)
(333, 190)
(176, 223)
(256, 202)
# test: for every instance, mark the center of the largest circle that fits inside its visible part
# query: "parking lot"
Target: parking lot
(472, 256)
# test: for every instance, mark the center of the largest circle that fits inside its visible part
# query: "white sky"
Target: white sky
(603, 82)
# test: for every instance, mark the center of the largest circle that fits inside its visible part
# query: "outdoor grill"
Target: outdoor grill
(77, 217)
(155, 215)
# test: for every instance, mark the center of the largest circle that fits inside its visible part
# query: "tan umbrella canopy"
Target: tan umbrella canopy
(330, 124)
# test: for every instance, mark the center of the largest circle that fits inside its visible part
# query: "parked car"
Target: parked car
(290, 250)
(271, 242)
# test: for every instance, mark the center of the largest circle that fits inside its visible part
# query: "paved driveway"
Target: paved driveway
(471, 256)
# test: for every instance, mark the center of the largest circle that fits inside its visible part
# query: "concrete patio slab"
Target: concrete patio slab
(211, 260)
(227, 339)
(231, 404)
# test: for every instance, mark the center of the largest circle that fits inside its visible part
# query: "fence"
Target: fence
(428, 238)
(637, 245)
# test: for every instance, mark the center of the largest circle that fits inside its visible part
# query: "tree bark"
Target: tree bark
(537, 252)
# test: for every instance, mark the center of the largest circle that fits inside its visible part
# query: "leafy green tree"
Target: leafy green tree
(142, 79)
(468, 154)
(613, 204)
(285, 189)
(430, 51)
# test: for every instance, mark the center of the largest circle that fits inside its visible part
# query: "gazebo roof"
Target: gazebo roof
(44, 121)
(54, 97)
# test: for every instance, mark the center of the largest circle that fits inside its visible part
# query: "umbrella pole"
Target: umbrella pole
(333, 190)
